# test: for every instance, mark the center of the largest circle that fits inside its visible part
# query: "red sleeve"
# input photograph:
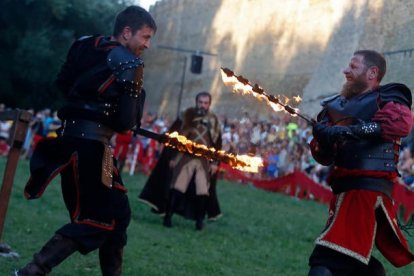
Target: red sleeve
(395, 120)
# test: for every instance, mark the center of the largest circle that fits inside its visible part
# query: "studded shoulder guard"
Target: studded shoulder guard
(127, 69)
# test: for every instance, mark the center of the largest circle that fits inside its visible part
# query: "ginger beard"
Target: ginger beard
(354, 87)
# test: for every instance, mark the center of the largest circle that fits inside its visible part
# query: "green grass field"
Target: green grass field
(261, 233)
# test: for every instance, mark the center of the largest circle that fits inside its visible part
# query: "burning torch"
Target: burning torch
(181, 143)
(241, 84)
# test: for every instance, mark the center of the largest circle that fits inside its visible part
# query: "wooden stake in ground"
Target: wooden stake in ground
(21, 120)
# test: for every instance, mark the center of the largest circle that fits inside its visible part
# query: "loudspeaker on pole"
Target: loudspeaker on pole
(196, 64)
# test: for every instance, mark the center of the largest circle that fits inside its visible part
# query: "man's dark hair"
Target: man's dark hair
(134, 17)
(203, 94)
(373, 58)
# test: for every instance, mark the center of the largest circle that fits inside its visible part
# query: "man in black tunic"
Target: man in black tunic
(102, 81)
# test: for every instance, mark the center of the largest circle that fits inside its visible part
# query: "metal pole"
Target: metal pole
(181, 86)
(177, 49)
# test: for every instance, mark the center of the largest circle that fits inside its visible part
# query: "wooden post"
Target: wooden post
(21, 120)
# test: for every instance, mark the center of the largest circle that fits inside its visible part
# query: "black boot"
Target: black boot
(57, 249)
(167, 220)
(200, 212)
(319, 271)
(171, 206)
(374, 267)
(110, 259)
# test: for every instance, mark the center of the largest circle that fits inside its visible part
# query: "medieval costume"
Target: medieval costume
(359, 136)
(157, 189)
(201, 127)
(102, 81)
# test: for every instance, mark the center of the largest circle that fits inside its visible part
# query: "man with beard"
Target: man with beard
(102, 81)
(156, 190)
(358, 133)
(200, 126)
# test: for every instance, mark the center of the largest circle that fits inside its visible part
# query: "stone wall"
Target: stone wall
(386, 26)
(296, 47)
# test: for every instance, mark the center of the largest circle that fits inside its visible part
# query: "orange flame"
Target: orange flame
(297, 98)
(241, 162)
(244, 89)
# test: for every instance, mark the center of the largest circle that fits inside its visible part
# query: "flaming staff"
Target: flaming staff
(239, 83)
(181, 143)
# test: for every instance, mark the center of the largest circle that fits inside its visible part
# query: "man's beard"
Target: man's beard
(201, 111)
(351, 89)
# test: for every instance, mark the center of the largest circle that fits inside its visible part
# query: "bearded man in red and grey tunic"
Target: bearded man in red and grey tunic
(358, 133)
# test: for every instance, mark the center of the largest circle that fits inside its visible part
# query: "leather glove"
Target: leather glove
(327, 136)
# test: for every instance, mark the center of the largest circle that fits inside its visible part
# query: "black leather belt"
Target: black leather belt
(87, 129)
(362, 183)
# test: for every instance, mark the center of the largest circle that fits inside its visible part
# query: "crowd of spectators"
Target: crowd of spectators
(280, 140)
(44, 123)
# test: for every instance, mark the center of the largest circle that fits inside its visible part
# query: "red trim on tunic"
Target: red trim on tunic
(72, 159)
(118, 186)
(97, 41)
(106, 84)
(108, 227)
(353, 228)
(77, 188)
(75, 215)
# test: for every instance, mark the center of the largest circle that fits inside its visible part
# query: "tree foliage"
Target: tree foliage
(36, 35)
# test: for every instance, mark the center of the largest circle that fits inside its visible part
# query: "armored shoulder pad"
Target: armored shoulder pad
(396, 92)
(322, 115)
(128, 69)
(325, 101)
